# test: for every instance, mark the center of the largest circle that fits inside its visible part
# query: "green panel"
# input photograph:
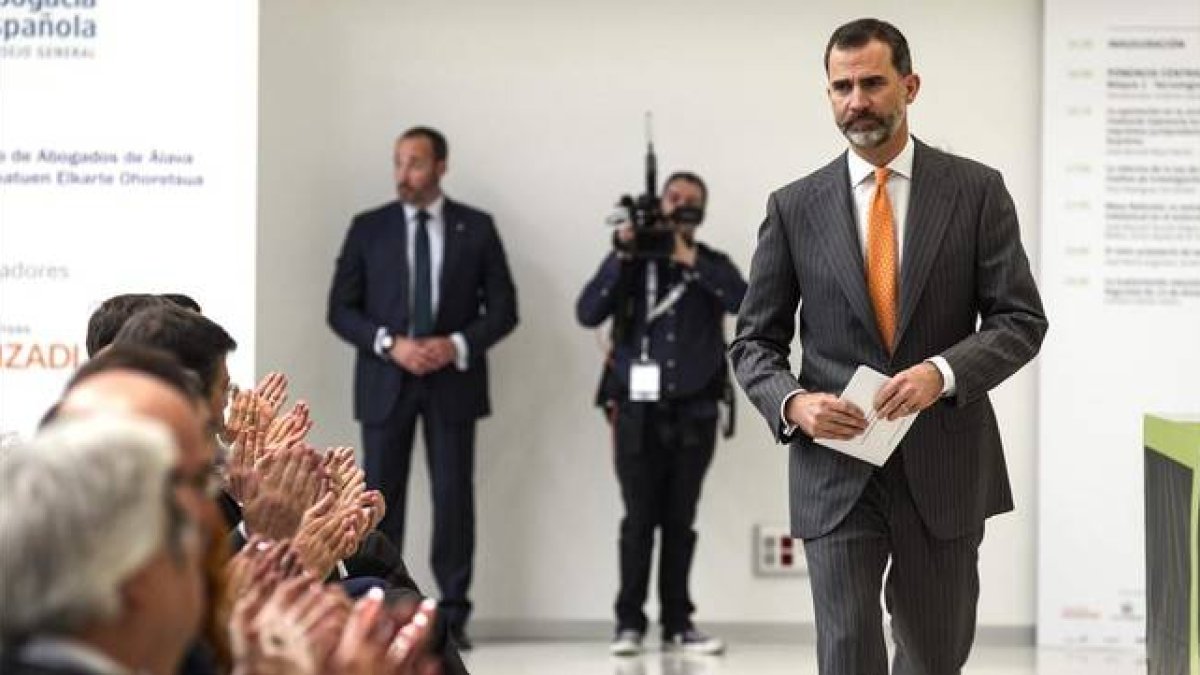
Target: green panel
(1177, 439)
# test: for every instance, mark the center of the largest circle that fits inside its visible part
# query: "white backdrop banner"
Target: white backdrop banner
(127, 164)
(1121, 279)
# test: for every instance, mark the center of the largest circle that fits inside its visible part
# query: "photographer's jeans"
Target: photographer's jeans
(661, 457)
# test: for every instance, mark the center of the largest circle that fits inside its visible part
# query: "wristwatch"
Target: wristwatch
(386, 342)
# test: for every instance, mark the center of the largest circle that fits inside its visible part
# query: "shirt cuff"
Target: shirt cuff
(788, 428)
(462, 353)
(380, 335)
(943, 366)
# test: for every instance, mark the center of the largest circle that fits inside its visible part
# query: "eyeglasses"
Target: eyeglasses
(182, 532)
(207, 482)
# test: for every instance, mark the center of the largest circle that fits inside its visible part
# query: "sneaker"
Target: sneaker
(627, 642)
(693, 641)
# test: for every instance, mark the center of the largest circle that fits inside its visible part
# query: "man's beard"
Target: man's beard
(873, 137)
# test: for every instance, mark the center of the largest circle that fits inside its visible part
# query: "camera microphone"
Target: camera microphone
(651, 160)
(619, 216)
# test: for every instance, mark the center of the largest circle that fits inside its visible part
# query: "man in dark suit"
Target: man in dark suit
(907, 260)
(422, 290)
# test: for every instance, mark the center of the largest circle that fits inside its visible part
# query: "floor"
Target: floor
(591, 658)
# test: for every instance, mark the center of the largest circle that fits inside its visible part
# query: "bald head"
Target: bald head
(126, 392)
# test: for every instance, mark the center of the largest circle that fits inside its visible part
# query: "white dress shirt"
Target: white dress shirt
(899, 187)
(436, 228)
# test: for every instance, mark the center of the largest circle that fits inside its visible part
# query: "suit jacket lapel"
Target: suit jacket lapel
(394, 247)
(455, 231)
(929, 207)
(833, 212)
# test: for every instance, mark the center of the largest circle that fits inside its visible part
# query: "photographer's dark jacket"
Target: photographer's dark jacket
(687, 341)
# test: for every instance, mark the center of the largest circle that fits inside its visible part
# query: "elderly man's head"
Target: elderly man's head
(94, 544)
(147, 383)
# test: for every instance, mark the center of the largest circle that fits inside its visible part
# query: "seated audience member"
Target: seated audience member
(145, 382)
(199, 343)
(276, 486)
(100, 566)
(151, 384)
(112, 314)
(182, 300)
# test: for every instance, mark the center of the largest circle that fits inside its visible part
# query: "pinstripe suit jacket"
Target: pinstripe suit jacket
(966, 293)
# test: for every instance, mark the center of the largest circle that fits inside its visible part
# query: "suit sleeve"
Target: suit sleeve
(717, 274)
(497, 295)
(347, 294)
(598, 300)
(1012, 320)
(766, 323)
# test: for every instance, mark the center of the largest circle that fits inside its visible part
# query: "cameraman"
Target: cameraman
(668, 342)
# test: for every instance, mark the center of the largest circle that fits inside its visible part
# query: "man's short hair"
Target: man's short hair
(441, 150)
(112, 314)
(859, 32)
(198, 342)
(183, 300)
(156, 363)
(83, 506)
(689, 177)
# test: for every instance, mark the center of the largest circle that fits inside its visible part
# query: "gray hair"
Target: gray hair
(83, 506)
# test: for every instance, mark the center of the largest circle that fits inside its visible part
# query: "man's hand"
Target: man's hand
(289, 429)
(272, 392)
(289, 481)
(329, 533)
(422, 356)
(240, 476)
(825, 416)
(684, 252)
(412, 356)
(440, 350)
(910, 391)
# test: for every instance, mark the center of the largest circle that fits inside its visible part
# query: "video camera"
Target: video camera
(653, 231)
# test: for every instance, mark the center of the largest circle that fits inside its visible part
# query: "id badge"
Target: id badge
(644, 381)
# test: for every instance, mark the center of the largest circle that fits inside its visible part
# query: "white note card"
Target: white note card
(879, 441)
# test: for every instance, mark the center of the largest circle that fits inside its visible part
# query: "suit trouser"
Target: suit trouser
(450, 454)
(931, 586)
(661, 459)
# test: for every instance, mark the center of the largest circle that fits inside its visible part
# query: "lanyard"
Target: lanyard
(655, 310)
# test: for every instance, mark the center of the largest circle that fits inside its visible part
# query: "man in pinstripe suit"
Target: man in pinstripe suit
(907, 260)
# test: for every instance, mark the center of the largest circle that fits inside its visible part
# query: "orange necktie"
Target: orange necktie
(882, 278)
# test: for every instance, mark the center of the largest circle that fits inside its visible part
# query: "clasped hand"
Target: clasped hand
(421, 356)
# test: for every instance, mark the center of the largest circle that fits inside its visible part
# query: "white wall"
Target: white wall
(542, 102)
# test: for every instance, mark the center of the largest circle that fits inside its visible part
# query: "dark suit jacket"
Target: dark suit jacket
(371, 290)
(966, 293)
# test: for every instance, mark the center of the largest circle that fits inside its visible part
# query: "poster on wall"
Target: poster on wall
(1120, 275)
(127, 164)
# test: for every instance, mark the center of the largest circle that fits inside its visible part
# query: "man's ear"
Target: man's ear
(912, 84)
(134, 591)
